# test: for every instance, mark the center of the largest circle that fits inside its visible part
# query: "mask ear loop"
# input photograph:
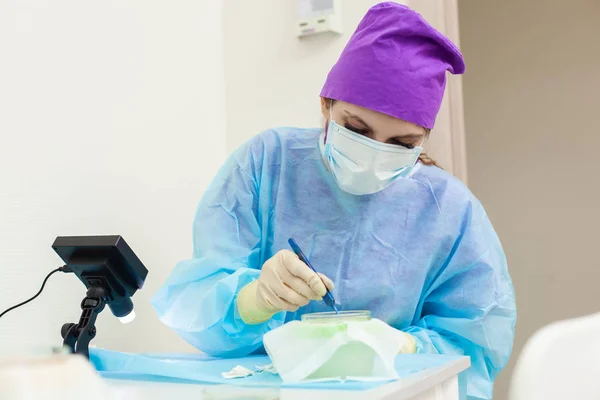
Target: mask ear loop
(330, 119)
(424, 140)
(420, 152)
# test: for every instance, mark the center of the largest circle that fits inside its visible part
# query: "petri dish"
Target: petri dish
(332, 316)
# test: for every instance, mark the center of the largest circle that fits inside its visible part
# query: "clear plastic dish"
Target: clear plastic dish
(343, 316)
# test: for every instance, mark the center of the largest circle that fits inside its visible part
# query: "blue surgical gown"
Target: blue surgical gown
(421, 255)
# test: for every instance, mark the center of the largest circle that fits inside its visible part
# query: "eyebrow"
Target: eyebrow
(414, 136)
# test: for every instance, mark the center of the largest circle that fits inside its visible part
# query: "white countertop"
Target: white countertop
(402, 389)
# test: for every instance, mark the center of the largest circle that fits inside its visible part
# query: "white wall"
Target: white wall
(112, 121)
(273, 77)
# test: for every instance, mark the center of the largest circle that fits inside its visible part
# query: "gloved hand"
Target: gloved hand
(285, 284)
(407, 343)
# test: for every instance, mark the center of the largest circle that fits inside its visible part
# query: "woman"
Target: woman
(390, 233)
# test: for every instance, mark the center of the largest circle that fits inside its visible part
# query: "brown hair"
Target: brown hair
(423, 157)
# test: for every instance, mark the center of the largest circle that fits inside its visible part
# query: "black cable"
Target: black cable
(63, 269)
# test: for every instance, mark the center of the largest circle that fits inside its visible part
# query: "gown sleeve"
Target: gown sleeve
(198, 300)
(469, 309)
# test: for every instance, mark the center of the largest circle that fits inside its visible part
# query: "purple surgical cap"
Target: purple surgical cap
(395, 63)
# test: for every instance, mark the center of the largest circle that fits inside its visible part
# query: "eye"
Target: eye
(406, 145)
(360, 131)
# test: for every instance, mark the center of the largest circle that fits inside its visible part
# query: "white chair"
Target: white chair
(560, 361)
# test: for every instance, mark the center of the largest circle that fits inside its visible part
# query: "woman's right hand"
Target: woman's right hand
(285, 284)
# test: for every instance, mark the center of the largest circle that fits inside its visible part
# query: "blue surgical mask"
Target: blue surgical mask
(361, 165)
